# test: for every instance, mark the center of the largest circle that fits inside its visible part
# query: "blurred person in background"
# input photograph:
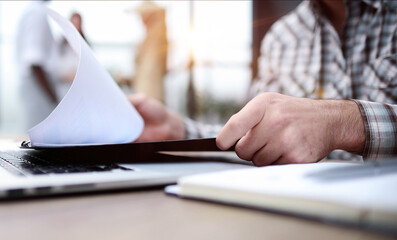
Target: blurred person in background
(35, 53)
(151, 57)
(321, 51)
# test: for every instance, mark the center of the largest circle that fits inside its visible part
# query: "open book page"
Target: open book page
(94, 111)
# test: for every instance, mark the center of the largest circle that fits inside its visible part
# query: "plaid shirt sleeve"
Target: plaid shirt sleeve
(380, 121)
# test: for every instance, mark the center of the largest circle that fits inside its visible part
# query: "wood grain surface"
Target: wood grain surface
(150, 214)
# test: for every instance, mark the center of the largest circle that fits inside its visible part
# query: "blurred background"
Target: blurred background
(198, 57)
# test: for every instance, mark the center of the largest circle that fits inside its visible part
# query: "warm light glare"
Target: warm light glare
(221, 35)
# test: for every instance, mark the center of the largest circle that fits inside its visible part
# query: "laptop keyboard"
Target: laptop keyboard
(22, 164)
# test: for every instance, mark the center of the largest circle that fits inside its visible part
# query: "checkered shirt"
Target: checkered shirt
(303, 56)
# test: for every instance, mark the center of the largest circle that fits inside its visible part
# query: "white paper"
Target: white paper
(94, 111)
(299, 181)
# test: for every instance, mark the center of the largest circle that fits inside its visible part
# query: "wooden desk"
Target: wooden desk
(150, 214)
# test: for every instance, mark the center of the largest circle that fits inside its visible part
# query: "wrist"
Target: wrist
(347, 126)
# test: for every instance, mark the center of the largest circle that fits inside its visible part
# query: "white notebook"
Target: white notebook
(362, 194)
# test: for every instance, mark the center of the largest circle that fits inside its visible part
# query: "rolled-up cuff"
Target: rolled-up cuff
(380, 122)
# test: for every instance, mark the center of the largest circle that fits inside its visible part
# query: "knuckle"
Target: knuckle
(270, 97)
(220, 142)
(276, 121)
(259, 159)
(241, 153)
(279, 119)
(241, 150)
(257, 162)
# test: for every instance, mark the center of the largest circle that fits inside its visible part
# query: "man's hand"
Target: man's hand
(160, 123)
(278, 129)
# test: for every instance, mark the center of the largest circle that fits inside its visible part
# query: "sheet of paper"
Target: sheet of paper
(94, 111)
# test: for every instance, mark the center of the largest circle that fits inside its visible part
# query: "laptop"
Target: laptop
(29, 172)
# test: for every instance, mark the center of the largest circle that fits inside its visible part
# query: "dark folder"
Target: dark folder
(138, 152)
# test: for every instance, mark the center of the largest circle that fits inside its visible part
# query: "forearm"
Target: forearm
(41, 79)
(366, 128)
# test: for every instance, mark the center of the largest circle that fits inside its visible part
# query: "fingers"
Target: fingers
(240, 123)
(254, 140)
(267, 142)
(150, 109)
(277, 129)
(267, 155)
(160, 123)
(152, 133)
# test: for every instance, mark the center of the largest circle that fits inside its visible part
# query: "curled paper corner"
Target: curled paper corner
(94, 111)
